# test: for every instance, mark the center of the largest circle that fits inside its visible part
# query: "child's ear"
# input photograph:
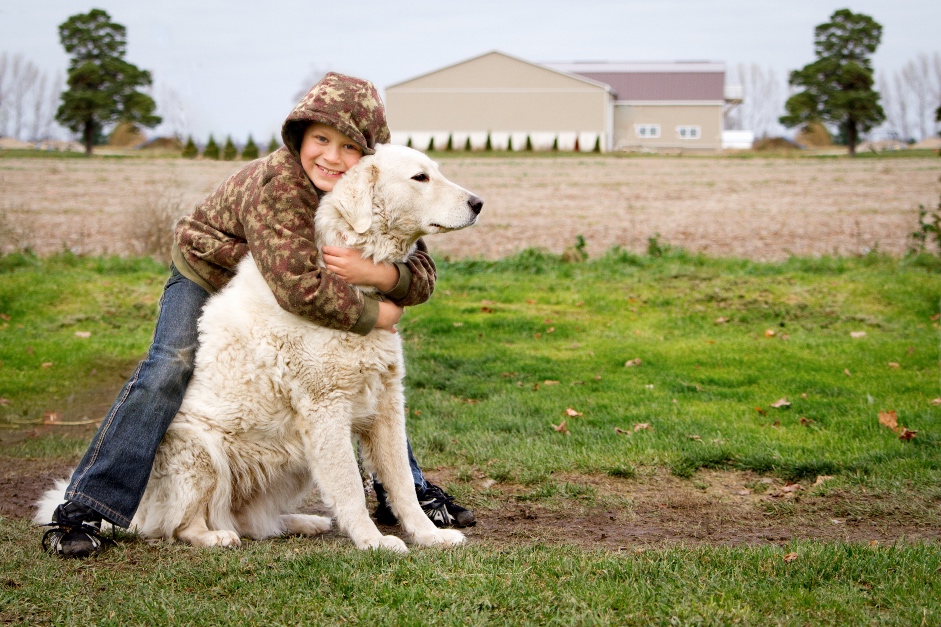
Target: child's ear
(356, 198)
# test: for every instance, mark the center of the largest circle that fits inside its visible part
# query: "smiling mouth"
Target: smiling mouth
(331, 173)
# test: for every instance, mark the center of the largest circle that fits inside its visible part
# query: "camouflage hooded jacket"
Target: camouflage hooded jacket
(267, 208)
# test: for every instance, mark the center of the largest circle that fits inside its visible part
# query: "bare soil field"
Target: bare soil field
(756, 208)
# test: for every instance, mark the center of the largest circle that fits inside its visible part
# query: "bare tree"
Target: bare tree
(912, 95)
(762, 102)
(24, 80)
(170, 108)
(896, 106)
(4, 75)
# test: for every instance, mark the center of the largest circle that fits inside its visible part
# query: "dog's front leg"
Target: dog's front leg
(385, 446)
(334, 468)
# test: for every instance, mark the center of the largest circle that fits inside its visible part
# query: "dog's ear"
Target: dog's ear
(356, 198)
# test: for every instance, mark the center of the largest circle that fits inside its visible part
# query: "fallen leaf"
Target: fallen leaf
(630, 363)
(857, 334)
(572, 413)
(781, 403)
(486, 310)
(769, 333)
(530, 301)
(5, 317)
(889, 419)
(760, 411)
(846, 371)
(721, 320)
(459, 324)
(936, 401)
(792, 487)
(47, 364)
(893, 364)
(83, 334)
(51, 418)
(642, 426)
(4, 401)
(694, 437)
(621, 431)
(547, 321)
(649, 386)
(873, 543)
(806, 421)
(821, 479)
(790, 557)
(550, 330)
(561, 428)
(907, 434)
(547, 382)
(936, 317)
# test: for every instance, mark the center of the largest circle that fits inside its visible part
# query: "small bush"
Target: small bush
(928, 231)
(155, 223)
(211, 151)
(229, 151)
(190, 151)
(250, 151)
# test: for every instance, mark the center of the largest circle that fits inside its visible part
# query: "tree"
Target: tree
(102, 86)
(250, 151)
(837, 87)
(211, 151)
(229, 151)
(189, 150)
(273, 145)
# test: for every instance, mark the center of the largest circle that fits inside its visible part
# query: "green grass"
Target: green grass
(479, 357)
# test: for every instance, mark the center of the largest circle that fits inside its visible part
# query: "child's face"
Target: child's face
(326, 154)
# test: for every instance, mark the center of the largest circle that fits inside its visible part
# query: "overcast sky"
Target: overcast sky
(235, 67)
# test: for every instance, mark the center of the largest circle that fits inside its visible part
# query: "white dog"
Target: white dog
(276, 400)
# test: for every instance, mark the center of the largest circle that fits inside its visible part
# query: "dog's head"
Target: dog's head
(398, 194)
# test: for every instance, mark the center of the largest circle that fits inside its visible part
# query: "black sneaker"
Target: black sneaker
(76, 531)
(437, 504)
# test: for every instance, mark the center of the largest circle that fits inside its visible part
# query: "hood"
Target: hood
(350, 105)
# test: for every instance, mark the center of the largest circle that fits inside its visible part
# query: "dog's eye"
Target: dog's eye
(421, 178)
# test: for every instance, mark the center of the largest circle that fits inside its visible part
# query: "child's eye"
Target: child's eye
(421, 178)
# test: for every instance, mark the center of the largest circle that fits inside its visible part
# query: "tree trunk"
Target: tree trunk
(88, 137)
(852, 137)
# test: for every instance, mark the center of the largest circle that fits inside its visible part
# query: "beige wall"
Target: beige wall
(497, 93)
(707, 116)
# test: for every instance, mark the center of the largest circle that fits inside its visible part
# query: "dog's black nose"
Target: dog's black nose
(476, 204)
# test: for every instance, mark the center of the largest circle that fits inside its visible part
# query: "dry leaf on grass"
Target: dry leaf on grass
(890, 420)
(790, 557)
(769, 333)
(47, 364)
(630, 363)
(907, 434)
(561, 428)
(547, 382)
(572, 413)
(83, 334)
(721, 320)
(857, 334)
(51, 418)
(936, 401)
(642, 426)
(781, 403)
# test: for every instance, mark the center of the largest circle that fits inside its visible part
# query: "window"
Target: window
(688, 132)
(647, 131)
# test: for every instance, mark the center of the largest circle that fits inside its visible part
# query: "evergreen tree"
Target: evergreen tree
(229, 151)
(211, 151)
(273, 145)
(189, 150)
(838, 86)
(250, 151)
(102, 86)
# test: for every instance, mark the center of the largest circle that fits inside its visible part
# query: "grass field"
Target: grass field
(549, 395)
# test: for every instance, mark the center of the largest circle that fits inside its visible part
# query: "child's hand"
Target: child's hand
(350, 266)
(389, 316)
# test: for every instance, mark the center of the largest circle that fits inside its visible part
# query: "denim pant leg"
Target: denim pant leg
(113, 474)
(417, 477)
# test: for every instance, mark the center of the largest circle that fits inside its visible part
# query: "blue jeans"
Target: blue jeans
(113, 474)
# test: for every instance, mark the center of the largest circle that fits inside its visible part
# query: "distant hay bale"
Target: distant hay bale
(814, 135)
(767, 144)
(164, 143)
(126, 135)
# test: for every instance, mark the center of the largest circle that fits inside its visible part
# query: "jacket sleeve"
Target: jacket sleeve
(279, 230)
(417, 278)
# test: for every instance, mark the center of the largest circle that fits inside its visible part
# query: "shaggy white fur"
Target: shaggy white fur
(276, 401)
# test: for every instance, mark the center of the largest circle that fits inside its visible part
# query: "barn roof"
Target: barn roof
(657, 81)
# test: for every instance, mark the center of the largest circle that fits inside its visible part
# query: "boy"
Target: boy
(265, 209)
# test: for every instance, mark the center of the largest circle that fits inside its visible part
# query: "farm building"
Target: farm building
(504, 102)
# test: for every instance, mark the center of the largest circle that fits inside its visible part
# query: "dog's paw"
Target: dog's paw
(220, 537)
(440, 538)
(390, 543)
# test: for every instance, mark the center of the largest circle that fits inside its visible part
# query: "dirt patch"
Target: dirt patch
(715, 508)
(757, 208)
